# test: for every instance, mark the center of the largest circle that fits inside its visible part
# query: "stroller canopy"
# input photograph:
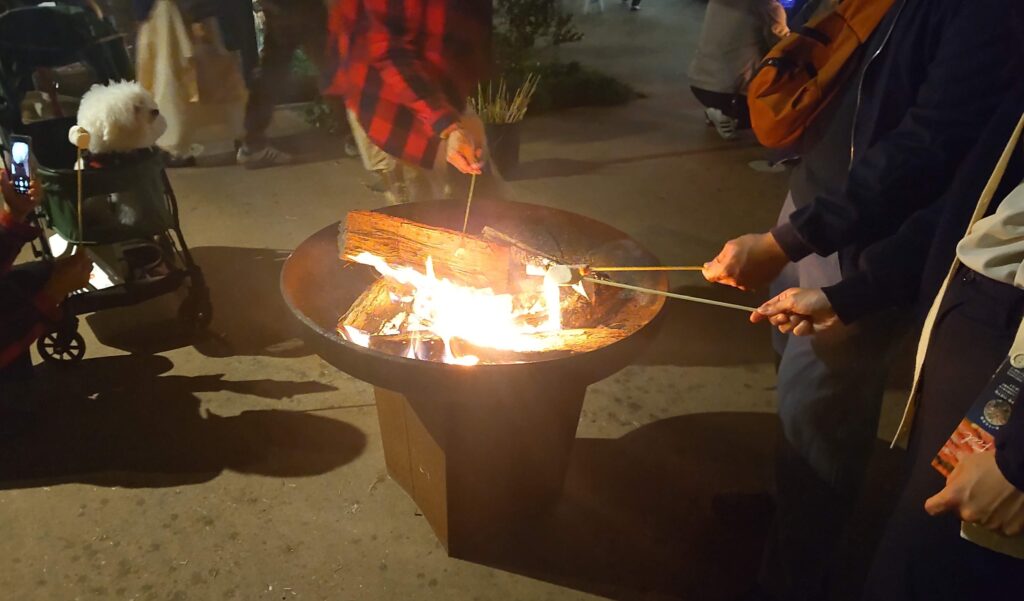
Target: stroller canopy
(51, 37)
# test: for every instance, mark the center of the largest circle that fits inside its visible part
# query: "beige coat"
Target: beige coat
(734, 38)
(170, 64)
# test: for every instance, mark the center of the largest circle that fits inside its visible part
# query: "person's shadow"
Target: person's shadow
(676, 509)
(121, 421)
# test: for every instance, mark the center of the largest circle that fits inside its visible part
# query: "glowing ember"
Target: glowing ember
(477, 316)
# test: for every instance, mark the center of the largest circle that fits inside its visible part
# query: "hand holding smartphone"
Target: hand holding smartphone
(20, 164)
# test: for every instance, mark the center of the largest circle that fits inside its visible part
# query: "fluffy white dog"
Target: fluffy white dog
(120, 117)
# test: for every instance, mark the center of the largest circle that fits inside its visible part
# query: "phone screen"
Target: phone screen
(21, 171)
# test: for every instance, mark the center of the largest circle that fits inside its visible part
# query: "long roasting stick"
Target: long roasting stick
(469, 202)
(651, 268)
(694, 299)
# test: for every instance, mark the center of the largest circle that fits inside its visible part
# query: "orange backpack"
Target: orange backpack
(804, 71)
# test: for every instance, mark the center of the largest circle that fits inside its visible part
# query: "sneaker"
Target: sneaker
(725, 126)
(268, 157)
(351, 149)
(765, 166)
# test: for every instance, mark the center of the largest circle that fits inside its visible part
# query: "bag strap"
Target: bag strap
(929, 323)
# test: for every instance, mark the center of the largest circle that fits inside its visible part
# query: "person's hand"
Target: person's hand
(69, 274)
(748, 262)
(978, 492)
(20, 205)
(464, 151)
(802, 311)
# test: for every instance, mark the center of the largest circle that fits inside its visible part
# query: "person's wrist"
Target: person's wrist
(773, 250)
(451, 129)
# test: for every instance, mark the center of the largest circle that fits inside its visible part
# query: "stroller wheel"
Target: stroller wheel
(61, 348)
(197, 310)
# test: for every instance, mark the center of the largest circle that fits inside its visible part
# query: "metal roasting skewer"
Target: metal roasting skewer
(651, 268)
(81, 167)
(694, 299)
(469, 202)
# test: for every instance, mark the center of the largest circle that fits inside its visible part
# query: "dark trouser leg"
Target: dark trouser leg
(830, 393)
(239, 31)
(282, 39)
(18, 287)
(922, 558)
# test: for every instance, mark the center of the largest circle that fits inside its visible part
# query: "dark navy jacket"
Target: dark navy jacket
(935, 72)
(909, 267)
(900, 270)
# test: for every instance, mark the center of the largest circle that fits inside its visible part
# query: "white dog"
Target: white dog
(120, 117)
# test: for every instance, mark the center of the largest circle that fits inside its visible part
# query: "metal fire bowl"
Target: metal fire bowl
(319, 288)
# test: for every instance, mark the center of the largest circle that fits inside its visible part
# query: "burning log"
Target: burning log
(461, 258)
(376, 307)
(427, 346)
(576, 340)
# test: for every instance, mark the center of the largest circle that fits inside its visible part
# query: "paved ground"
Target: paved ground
(244, 467)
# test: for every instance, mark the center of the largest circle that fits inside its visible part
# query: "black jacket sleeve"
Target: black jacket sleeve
(897, 270)
(911, 165)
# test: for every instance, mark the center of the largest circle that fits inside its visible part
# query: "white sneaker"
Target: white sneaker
(725, 126)
(765, 166)
(268, 157)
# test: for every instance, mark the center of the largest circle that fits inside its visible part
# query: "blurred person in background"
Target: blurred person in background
(290, 25)
(405, 69)
(197, 83)
(734, 38)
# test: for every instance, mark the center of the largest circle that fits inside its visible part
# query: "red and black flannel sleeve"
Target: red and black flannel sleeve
(406, 68)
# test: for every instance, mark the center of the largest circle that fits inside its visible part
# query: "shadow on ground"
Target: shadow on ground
(250, 317)
(692, 334)
(122, 421)
(677, 509)
(562, 167)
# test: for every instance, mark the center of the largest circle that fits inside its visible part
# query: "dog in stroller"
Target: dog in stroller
(110, 197)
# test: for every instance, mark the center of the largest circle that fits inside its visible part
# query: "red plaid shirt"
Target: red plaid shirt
(406, 67)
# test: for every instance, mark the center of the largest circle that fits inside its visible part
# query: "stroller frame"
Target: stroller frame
(49, 37)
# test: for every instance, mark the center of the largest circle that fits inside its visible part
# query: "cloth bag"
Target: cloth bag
(196, 82)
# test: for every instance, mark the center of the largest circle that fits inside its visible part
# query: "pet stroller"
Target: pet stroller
(49, 57)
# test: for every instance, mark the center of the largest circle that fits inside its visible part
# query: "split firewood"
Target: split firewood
(380, 304)
(461, 258)
(424, 344)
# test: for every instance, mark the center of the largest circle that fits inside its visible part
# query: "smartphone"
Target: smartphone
(20, 165)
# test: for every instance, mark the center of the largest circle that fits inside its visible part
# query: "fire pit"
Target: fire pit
(476, 445)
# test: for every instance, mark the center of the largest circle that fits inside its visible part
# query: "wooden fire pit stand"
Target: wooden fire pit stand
(478, 455)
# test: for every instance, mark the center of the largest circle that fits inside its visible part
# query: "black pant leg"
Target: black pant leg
(922, 558)
(281, 41)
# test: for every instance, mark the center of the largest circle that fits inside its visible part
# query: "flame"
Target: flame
(478, 316)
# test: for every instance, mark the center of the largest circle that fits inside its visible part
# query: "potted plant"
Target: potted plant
(502, 112)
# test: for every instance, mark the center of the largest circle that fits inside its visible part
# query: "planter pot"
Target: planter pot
(503, 142)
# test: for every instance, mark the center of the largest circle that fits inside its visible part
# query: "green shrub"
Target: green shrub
(571, 85)
(520, 25)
